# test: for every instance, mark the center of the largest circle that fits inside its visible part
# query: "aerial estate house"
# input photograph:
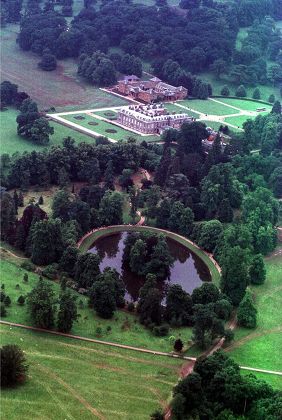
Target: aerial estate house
(150, 119)
(149, 91)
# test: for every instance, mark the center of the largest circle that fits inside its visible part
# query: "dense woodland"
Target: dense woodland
(118, 36)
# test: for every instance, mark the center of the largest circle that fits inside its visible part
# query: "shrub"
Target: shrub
(25, 278)
(7, 301)
(241, 91)
(178, 345)
(2, 296)
(157, 415)
(3, 311)
(111, 130)
(271, 99)
(17, 286)
(99, 331)
(13, 365)
(256, 94)
(225, 91)
(50, 271)
(161, 330)
(28, 265)
(21, 300)
(109, 328)
(2, 286)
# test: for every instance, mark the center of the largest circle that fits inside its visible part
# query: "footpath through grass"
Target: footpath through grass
(78, 380)
(124, 326)
(261, 347)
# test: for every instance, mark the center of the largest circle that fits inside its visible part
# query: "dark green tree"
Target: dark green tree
(87, 269)
(235, 274)
(225, 212)
(67, 313)
(257, 271)
(13, 365)
(225, 91)
(41, 304)
(178, 309)
(247, 313)
(241, 91)
(102, 297)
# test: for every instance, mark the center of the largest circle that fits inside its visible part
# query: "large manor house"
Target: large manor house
(150, 119)
(149, 91)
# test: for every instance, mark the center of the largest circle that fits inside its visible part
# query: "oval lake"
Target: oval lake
(188, 269)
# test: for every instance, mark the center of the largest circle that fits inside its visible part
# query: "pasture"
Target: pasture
(61, 88)
(70, 379)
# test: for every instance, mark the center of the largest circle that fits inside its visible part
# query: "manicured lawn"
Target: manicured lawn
(261, 348)
(12, 143)
(125, 327)
(213, 124)
(180, 110)
(70, 379)
(207, 107)
(238, 121)
(102, 127)
(110, 114)
(245, 105)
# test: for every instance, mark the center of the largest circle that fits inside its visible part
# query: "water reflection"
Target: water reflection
(188, 270)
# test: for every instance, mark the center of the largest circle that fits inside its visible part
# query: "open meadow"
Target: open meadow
(69, 379)
(60, 88)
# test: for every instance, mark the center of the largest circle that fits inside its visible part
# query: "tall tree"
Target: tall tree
(41, 304)
(67, 313)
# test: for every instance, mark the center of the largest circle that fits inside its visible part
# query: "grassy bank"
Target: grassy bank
(125, 327)
(71, 380)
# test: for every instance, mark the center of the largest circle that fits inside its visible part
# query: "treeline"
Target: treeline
(102, 69)
(217, 389)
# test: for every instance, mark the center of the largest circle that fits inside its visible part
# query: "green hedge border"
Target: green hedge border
(89, 239)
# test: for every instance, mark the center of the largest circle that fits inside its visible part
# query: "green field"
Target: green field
(261, 348)
(179, 110)
(238, 121)
(70, 379)
(11, 142)
(102, 127)
(207, 107)
(245, 105)
(125, 326)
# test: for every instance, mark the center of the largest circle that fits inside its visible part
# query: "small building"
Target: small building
(150, 119)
